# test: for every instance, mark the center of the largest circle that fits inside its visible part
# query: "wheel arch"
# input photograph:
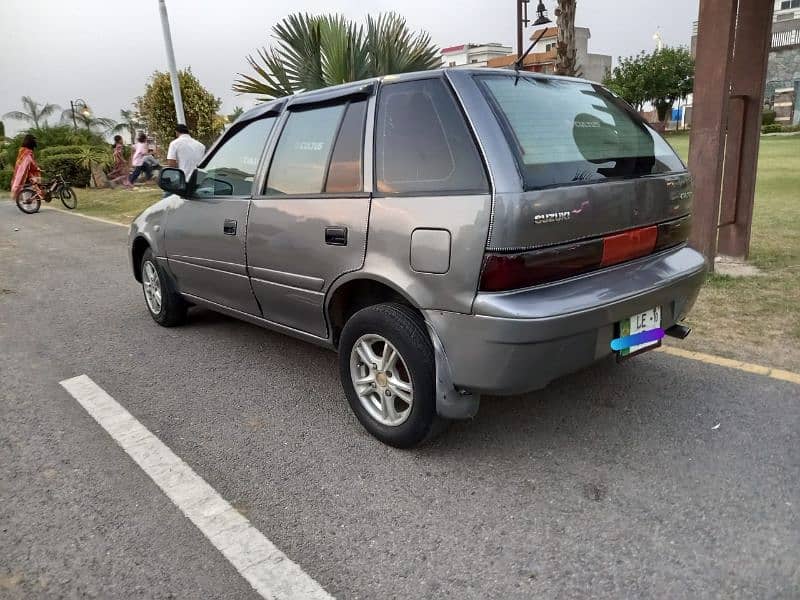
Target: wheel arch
(349, 295)
(138, 248)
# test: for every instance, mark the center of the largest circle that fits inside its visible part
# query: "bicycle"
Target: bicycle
(29, 199)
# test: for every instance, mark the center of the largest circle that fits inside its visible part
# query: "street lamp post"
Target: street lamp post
(542, 19)
(74, 105)
(173, 71)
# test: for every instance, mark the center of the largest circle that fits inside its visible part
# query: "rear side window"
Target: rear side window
(422, 143)
(571, 132)
(230, 171)
(319, 151)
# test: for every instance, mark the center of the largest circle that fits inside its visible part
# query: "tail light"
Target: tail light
(525, 269)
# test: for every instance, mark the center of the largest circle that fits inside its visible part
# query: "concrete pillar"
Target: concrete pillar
(748, 73)
(715, 39)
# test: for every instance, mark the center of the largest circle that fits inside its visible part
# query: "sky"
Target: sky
(104, 51)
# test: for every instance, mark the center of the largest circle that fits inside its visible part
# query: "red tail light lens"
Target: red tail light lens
(525, 269)
(629, 245)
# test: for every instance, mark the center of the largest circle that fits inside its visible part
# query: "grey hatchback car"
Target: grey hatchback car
(451, 233)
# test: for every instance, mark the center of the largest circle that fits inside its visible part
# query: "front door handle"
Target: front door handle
(336, 236)
(229, 227)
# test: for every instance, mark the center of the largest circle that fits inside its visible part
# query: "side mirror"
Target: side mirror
(172, 181)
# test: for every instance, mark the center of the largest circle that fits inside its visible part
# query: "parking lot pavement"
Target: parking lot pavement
(661, 477)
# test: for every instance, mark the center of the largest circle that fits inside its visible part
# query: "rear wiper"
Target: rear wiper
(519, 62)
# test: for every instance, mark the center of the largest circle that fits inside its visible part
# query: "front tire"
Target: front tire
(387, 368)
(68, 197)
(164, 304)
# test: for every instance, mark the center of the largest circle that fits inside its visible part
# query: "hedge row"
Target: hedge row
(6, 175)
(74, 172)
(59, 151)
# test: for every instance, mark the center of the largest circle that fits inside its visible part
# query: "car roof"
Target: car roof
(345, 89)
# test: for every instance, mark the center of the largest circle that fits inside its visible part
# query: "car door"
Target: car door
(206, 232)
(309, 225)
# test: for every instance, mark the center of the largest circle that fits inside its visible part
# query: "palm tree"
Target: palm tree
(35, 115)
(131, 121)
(313, 52)
(87, 119)
(238, 111)
(566, 62)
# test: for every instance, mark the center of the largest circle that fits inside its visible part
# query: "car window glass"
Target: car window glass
(422, 143)
(230, 171)
(344, 173)
(566, 131)
(301, 157)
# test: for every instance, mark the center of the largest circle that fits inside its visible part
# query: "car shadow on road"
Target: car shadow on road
(608, 407)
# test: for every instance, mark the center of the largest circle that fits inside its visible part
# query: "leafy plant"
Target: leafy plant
(69, 166)
(59, 151)
(6, 175)
(312, 52)
(157, 108)
(660, 78)
(58, 136)
(768, 117)
(37, 113)
(238, 111)
(772, 128)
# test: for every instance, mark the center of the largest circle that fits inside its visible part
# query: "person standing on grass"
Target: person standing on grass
(184, 151)
(119, 172)
(140, 151)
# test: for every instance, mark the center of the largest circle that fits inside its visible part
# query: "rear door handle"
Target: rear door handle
(229, 227)
(336, 236)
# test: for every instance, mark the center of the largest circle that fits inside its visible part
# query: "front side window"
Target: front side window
(230, 171)
(422, 143)
(566, 132)
(320, 151)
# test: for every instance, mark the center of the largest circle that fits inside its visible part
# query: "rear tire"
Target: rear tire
(28, 201)
(68, 197)
(163, 302)
(387, 369)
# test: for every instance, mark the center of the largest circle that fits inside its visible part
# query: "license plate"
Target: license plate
(646, 321)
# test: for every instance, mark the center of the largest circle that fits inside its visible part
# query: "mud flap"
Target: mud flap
(450, 402)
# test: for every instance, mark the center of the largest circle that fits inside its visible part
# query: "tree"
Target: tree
(83, 117)
(36, 116)
(313, 52)
(566, 54)
(200, 106)
(660, 78)
(628, 80)
(2, 131)
(131, 121)
(238, 111)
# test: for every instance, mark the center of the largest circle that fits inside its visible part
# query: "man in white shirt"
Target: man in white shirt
(184, 151)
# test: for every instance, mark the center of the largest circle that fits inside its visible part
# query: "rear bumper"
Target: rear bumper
(516, 342)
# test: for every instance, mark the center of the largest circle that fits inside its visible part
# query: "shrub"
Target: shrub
(59, 151)
(791, 128)
(69, 166)
(5, 179)
(768, 117)
(773, 128)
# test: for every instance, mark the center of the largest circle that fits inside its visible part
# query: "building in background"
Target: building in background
(542, 57)
(472, 55)
(782, 90)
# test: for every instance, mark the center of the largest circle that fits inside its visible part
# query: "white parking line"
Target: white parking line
(271, 573)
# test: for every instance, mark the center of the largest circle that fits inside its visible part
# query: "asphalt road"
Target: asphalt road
(612, 483)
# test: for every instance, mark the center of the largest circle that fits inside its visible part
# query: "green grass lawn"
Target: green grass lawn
(119, 204)
(757, 319)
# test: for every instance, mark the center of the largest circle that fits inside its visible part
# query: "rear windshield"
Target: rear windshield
(566, 132)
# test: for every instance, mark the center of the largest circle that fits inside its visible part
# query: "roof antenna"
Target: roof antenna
(542, 20)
